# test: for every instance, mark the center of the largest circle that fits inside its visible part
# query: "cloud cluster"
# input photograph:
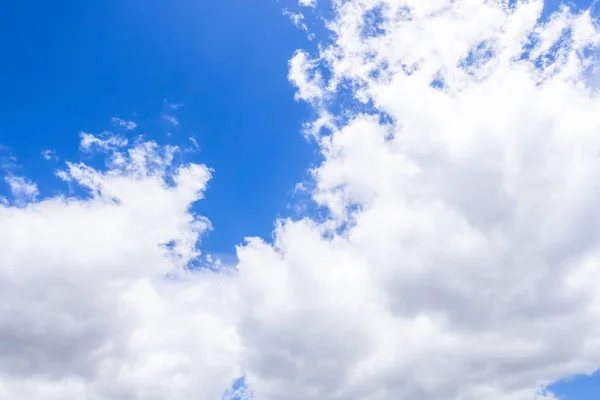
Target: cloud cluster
(97, 302)
(459, 255)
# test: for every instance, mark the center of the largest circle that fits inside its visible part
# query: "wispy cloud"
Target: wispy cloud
(49, 155)
(308, 3)
(121, 123)
(172, 106)
(8, 161)
(22, 188)
(194, 143)
(298, 20)
(171, 119)
(106, 142)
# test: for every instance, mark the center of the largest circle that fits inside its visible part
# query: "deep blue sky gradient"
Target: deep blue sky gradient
(72, 65)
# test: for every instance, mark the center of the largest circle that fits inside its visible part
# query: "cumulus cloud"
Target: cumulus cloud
(303, 75)
(458, 256)
(461, 256)
(97, 300)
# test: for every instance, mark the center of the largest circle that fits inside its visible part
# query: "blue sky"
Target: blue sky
(71, 66)
(582, 387)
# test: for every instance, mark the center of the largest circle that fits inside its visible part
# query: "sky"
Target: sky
(291, 199)
(74, 66)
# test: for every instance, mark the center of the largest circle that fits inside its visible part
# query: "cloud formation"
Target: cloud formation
(121, 123)
(171, 119)
(307, 3)
(97, 303)
(458, 259)
(49, 155)
(22, 188)
(105, 142)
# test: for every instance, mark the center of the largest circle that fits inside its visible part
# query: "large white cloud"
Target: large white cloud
(96, 302)
(459, 259)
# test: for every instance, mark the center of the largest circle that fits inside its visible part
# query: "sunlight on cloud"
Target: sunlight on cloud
(459, 258)
(87, 310)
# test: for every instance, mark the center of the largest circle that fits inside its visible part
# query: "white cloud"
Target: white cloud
(194, 143)
(171, 119)
(87, 311)
(307, 3)
(49, 155)
(298, 21)
(460, 258)
(107, 142)
(121, 123)
(173, 106)
(296, 18)
(593, 72)
(22, 189)
(303, 75)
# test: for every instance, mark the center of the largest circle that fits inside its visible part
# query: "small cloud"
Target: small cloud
(302, 74)
(171, 119)
(49, 155)
(22, 189)
(88, 141)
(63, 175)
(296, 18)
(8, 161)
(121, 123)
(298, 21)
(172, 106)
(307, 3)
(195, 143)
